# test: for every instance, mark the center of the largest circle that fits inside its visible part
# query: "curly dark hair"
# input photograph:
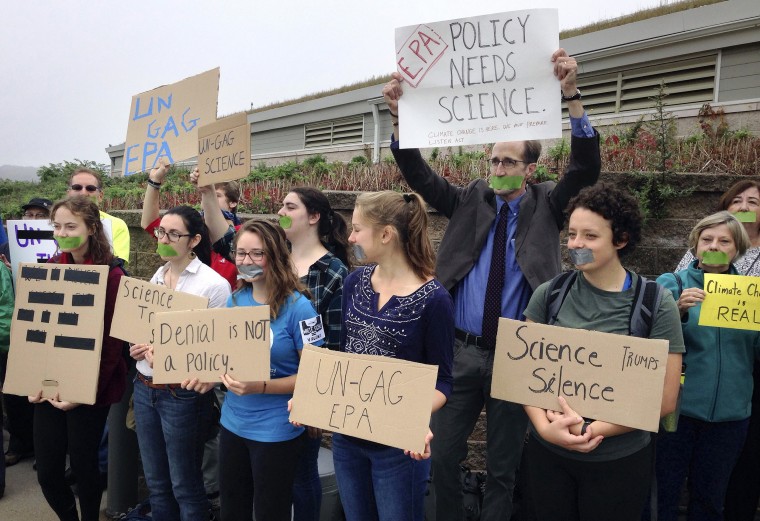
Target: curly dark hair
(620, 208)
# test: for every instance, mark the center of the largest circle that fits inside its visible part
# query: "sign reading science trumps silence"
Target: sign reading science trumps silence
(614, 378)
(374, 398)
(479, 80)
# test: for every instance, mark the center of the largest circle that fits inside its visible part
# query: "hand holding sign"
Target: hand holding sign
(558, 428)
(689, 298)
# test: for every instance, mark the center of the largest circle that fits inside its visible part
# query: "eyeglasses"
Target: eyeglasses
(173, 236)
(35, 215)
(79, 188)
(255, 255)
(507, 162)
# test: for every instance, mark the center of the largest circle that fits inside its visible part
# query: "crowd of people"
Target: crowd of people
(230, 443)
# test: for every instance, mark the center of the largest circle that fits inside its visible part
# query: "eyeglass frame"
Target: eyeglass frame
(507, 162)
(90, 189)
(160, 233)
(254, 255)
(36, 216)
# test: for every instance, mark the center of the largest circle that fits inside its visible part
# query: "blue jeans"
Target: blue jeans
(307, 487)
(169, 424)
(377, 482)
(706, 453)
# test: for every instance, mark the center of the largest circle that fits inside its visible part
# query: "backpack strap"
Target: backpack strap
(558, 289)
(646, 301)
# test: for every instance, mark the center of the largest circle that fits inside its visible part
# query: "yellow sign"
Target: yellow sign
(732, 301)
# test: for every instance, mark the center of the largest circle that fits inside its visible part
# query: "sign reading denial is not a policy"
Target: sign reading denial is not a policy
(374, 398)
(479, 80)
(137, 303)
(57, 331)
(207, 343)
(224, 150)
(614, 378)
(163, 122)
(731, 301)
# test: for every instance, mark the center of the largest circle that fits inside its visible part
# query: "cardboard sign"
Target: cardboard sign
(138, 302)
(479, 80)
(207, 343)
(32, 241)
(57, 331)
(370, 397)
(732, 301)
(224, 150)
(614, 378)
(163, 122)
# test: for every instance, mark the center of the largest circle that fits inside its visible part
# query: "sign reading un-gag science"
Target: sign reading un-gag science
(731, 301)
(374, 398)
(224, 150)
(163, 122)
(479, 80)
(614, 378)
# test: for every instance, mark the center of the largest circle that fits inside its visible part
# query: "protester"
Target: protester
(527, 233)
(392, 307)
(172, 420)
(228, 197)
(61, 426)
(7, 300)
(85, 181)
(19, 411)
(319, 248)
(717, 389)
(258, 448)
(584, 468)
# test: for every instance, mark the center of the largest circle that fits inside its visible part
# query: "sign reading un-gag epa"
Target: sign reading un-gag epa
(163, 122)
(479, 80)
(731, 301)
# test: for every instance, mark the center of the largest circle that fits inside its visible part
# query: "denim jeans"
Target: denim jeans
(377, 482)
(307, 487)
(169, 424)
(706, 453)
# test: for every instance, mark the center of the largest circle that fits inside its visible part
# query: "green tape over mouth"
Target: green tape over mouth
(715, 258)
(69, 243)
(285, 222)
(746, 217)
(506, 182)
(166, 250)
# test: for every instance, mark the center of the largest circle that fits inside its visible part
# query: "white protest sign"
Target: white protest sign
(615, 378)
(375, 398)
(479, 80)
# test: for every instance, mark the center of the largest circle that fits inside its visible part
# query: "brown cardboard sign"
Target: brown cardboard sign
(207, 343)
(615, 378)
(224, 150)
(137, 303)
(163, 122)
(57, 331)
(375, 398)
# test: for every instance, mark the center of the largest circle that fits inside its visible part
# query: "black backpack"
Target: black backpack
(647, 297)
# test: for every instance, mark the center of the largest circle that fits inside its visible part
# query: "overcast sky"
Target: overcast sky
(69, 69)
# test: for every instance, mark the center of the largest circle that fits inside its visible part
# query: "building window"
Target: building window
(336, 132)
(688, 81)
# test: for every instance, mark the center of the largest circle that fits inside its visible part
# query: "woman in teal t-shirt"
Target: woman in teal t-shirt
(258, 447)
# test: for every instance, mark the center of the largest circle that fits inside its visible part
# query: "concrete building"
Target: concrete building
(708, 54)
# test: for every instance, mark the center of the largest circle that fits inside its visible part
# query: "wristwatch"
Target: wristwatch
(574, 97)
(586, 421)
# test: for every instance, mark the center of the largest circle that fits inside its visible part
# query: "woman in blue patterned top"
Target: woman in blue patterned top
(392, 307)
(319, 248)
(258, 447)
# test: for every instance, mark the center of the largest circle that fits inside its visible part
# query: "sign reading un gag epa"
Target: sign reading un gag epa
(614, 378)
(57, 331)
(163, 122)
(479, 80)
(731, 301)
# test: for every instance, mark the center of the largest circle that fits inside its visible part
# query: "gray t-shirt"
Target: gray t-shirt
(587, 307)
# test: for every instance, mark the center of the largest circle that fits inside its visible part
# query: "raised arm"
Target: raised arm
(151, 204)
(212, 213)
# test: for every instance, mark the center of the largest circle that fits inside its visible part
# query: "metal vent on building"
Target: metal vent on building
(688, 81)
(336, 132)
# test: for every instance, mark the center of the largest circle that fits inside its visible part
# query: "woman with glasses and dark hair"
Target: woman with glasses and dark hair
(172, 419)
(259, 448)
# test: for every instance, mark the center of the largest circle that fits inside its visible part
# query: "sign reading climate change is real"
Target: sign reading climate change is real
(163, 122)
(479, 80)
(731, 301)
